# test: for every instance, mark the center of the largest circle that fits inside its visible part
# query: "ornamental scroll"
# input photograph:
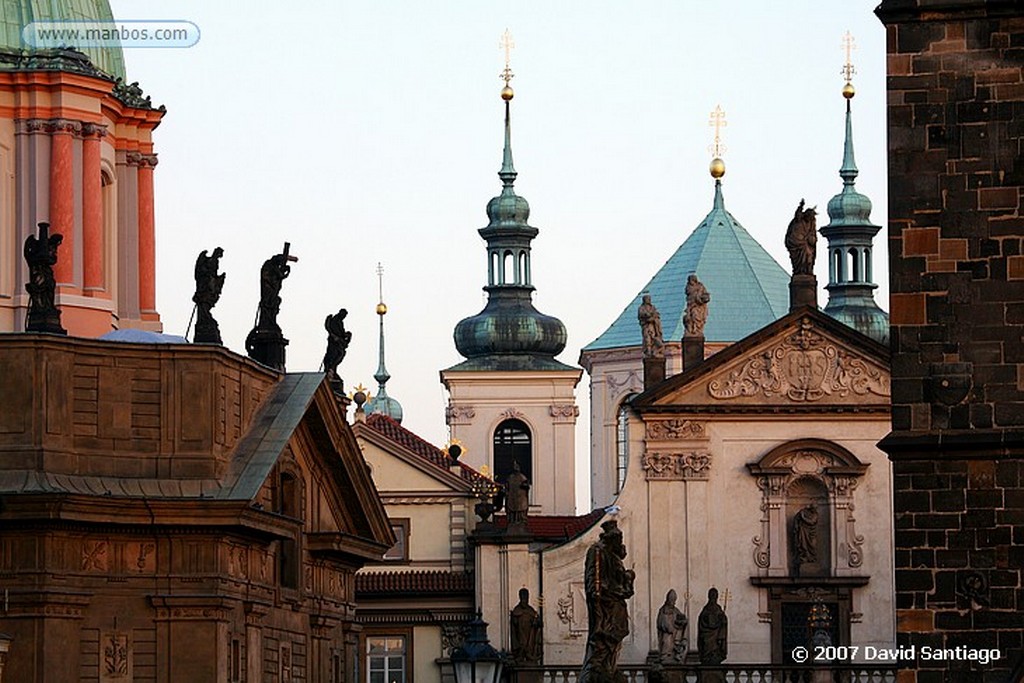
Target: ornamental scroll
(805, 367)
(677, 466)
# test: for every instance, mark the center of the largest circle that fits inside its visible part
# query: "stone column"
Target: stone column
(147, 237)
(62, 194)
(92, 209)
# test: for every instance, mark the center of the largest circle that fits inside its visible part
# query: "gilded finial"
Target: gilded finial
(716, 148)
(848, 45)
(381, 307)
(507, 44)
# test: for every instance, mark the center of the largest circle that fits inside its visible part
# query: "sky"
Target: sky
(371, 131)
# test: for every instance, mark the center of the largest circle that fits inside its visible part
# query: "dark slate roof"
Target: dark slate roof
(748, 288)
(383, 424)
(400, 584)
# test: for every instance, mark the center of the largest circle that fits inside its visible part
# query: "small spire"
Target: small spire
(848, 172)
(381, 375)
(508, 172)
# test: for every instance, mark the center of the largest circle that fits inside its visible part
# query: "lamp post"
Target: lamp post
(476, 661)
(5, 647)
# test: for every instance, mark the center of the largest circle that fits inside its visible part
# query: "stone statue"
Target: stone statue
(517, 502)
(802, 240)
(338, 339)
(696, 315)
(208, 288)
(273, 273)
(650, 329)
(672, 625)
(524, 623)
(608, 584)
(805, 535)
(712, 631)
(41, 256)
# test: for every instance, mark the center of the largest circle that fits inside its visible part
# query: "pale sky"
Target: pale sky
(372, 131)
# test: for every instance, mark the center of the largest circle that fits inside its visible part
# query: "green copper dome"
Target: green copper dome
(509, 334)
(16, 14)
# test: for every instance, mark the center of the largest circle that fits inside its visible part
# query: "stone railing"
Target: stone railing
(727, 673)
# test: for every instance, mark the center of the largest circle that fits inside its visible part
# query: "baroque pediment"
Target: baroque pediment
(802, 364)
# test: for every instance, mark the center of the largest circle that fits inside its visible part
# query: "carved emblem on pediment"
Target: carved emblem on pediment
(677, 466)
(675, 429)
(805, 367)
(460, 415)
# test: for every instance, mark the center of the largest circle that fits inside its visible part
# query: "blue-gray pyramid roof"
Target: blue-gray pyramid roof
(749, 289)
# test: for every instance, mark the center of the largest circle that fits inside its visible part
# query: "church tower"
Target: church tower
(76, 151)
(511, 401)
(849, 234)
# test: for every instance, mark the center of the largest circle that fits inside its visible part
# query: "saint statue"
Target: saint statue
(802, 240)
(805, 535)
(208, 288)
(41, 256)
(696, 315)
(608, 584)
(524, 625)
(273, 273)
(338, 339)
(672, 625)
(650, 328)
(712, 631)
(517, 501)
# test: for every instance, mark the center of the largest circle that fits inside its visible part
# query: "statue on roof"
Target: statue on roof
(209, 284)
(41, 256)
(608, 584)
(517, 501)
(697, 299)
(650, 328)
(273, 273)
(802, 240)
(338, 339)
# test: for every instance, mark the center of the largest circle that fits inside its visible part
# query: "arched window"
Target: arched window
(512, 443)
(867, 265)
(622, 443)
(508, 268)
(855, 264)
(521, 276)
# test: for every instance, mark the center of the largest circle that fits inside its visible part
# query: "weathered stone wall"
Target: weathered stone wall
(956, 177)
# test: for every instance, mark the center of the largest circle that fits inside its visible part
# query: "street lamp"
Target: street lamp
(476, 661)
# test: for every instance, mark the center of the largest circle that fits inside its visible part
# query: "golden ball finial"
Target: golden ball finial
(848, 90)
(717, 168)
(381, 308)
(507, 93)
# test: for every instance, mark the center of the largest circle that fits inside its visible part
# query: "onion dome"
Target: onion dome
(849, 233)
(509, 333)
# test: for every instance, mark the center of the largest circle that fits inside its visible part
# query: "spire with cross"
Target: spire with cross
(717, 149)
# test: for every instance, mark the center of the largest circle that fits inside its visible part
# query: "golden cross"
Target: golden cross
(380, 282)
(849, 46)
(507, 44)
(718, 122)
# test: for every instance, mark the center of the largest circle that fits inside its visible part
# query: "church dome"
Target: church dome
(509, 324)
(15, 15)
(849, 207)
(508, 210)
(382, 404)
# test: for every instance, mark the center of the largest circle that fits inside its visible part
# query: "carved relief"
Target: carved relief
(618, 380)
(675, 429)
(452, 636)
(762, 548)
(572, 610)
(512, 413)
(141, 557)
(461, 415)
(805, 367)
(564, 412)
(94, 556)
(115, 662)
(677, 466)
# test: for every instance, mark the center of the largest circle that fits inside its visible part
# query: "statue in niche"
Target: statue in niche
(608, 584)
(524, 625)
(805, 535)
(672, 623)
(712, 631)
(517, 497)
(208, 288)
(338, 339)
(650, 328)
(802, 240)
(697, 299)
(41, 256)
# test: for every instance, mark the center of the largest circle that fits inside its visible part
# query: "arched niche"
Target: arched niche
(792, 476)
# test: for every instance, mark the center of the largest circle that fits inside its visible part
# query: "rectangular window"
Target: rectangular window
(235, 661)
(399, 552)
(385, 659)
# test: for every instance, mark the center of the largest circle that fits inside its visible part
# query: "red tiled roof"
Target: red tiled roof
(556, 527)
(428, 451)
(435, 581)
